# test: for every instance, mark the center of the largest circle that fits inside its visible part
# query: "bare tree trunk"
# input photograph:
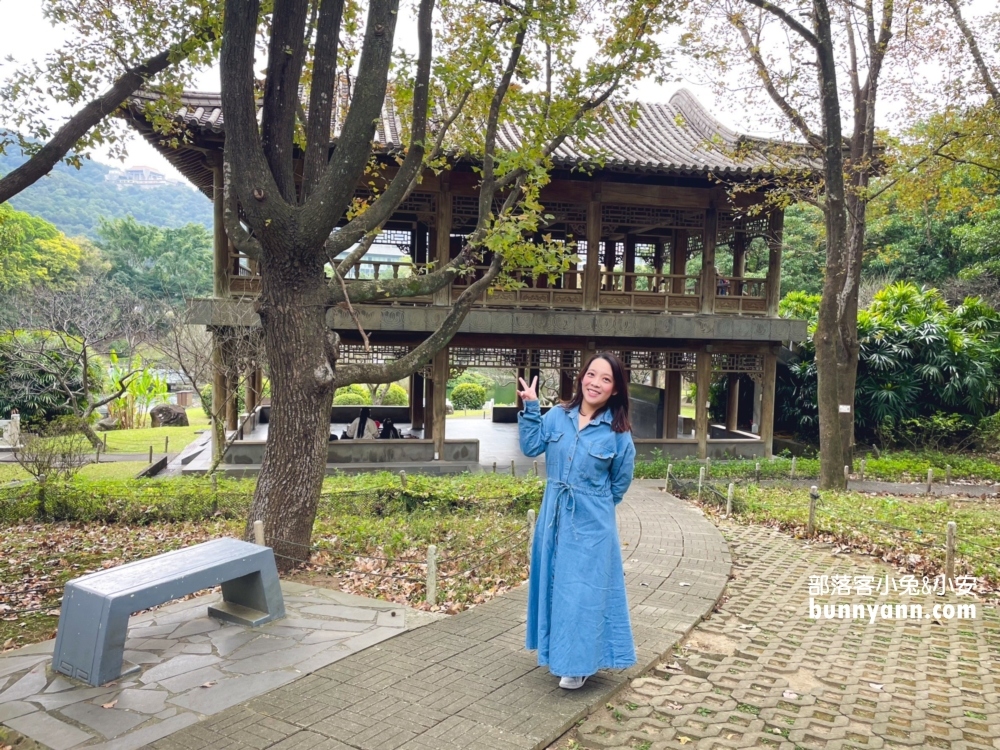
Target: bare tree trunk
(831, 361)
(292, 313)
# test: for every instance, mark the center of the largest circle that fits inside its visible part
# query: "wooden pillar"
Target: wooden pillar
(439, 374)
(592, 271)
(442, 250)
(429, 406)
(232, 412)
(733, 403)
(567, 376)
(671, 403)
(609, 265)
(775, 230)
(708, 278)
(416, 401)
(219, 385)
(678, 259)
(534, 368)
(589, 350)
(703, 365)
(629, 281)
(420, 246)
(253, 391)
(767, 403)
(739, 261)
(657, 266)
(220, 244)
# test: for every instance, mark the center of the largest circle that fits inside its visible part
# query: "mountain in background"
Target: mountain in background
(73, 199)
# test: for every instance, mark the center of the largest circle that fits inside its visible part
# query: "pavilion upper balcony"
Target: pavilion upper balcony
(638, 291)
(666, 209)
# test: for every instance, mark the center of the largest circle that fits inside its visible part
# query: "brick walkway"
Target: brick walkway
(467, 682)
(760, 673)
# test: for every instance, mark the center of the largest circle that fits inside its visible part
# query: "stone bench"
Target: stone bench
(93, 622)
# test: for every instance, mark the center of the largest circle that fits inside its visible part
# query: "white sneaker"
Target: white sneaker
(571, 683)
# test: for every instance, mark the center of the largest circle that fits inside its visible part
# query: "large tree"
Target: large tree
(819, 64)
(482, 66)
(113, 48)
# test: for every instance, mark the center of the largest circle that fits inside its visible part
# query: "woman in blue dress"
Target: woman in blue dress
(578, 616)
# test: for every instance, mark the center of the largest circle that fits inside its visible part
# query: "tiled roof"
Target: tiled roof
(677, 138)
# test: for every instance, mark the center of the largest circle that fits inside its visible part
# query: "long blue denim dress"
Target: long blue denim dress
(578, 616)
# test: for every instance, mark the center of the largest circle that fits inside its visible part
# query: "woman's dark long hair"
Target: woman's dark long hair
(363, 418)
(618, 403)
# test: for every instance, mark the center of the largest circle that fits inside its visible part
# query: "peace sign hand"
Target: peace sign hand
(528, 391)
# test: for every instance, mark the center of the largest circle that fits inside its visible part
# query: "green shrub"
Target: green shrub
(206, 400)
(361, 395)
(350, 399)
(396, 396)
(468, 396)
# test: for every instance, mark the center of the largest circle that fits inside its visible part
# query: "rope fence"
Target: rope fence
(705, 491)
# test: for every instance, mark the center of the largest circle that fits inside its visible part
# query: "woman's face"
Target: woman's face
(598, 385)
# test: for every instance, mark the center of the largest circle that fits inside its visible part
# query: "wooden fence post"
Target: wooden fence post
(402, 480)
(258, 532)
(729, 500)
(666, 479)
(949, 552)
(756, 473)
(701, 480)
(793, 467)
(847, 476)
(432, 575)
(813, 497)
(513, 470)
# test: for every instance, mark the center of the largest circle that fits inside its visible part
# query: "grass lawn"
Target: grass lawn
(138, 441)
(103, 470)
(908, 532)
(370, 536)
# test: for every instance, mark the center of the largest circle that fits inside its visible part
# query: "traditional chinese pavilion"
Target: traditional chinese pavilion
(678, 277)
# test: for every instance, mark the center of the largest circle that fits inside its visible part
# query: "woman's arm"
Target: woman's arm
(622, 466)
(529, 428)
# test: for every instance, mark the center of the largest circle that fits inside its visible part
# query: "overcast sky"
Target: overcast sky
(25, 34)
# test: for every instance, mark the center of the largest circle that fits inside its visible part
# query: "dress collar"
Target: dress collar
(604, 416)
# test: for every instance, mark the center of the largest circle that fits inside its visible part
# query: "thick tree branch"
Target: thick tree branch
(788, 20)
(796, 118)
(285, 58)
(242, 240)
(413, 286)
(421, 355)
(409, 172)
(336, 186)
(244, 155)
(41, 163)
(977, 55)
(322, 95)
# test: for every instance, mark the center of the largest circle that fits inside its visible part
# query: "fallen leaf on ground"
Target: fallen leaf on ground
(683, 740)
(875, 686)
(790, 695)
(208, 684)
(685, 584)
(110, 705)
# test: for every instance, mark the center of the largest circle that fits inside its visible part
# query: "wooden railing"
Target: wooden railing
(741, 295)
(641, 291)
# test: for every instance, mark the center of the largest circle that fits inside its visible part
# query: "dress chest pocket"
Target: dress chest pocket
(601, 453)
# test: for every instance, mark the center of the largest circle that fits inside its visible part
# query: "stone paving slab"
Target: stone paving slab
(466, 681)
(761, 672)
(191, 667)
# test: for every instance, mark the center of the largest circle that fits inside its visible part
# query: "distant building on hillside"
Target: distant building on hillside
(141, 177)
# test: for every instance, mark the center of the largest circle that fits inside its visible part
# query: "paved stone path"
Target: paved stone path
(191, 666)
(467, 682)
(760, 673)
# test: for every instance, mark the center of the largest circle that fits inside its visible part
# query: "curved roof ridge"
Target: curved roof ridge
(698, 117)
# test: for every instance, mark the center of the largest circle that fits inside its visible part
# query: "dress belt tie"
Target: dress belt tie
(564, 489)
